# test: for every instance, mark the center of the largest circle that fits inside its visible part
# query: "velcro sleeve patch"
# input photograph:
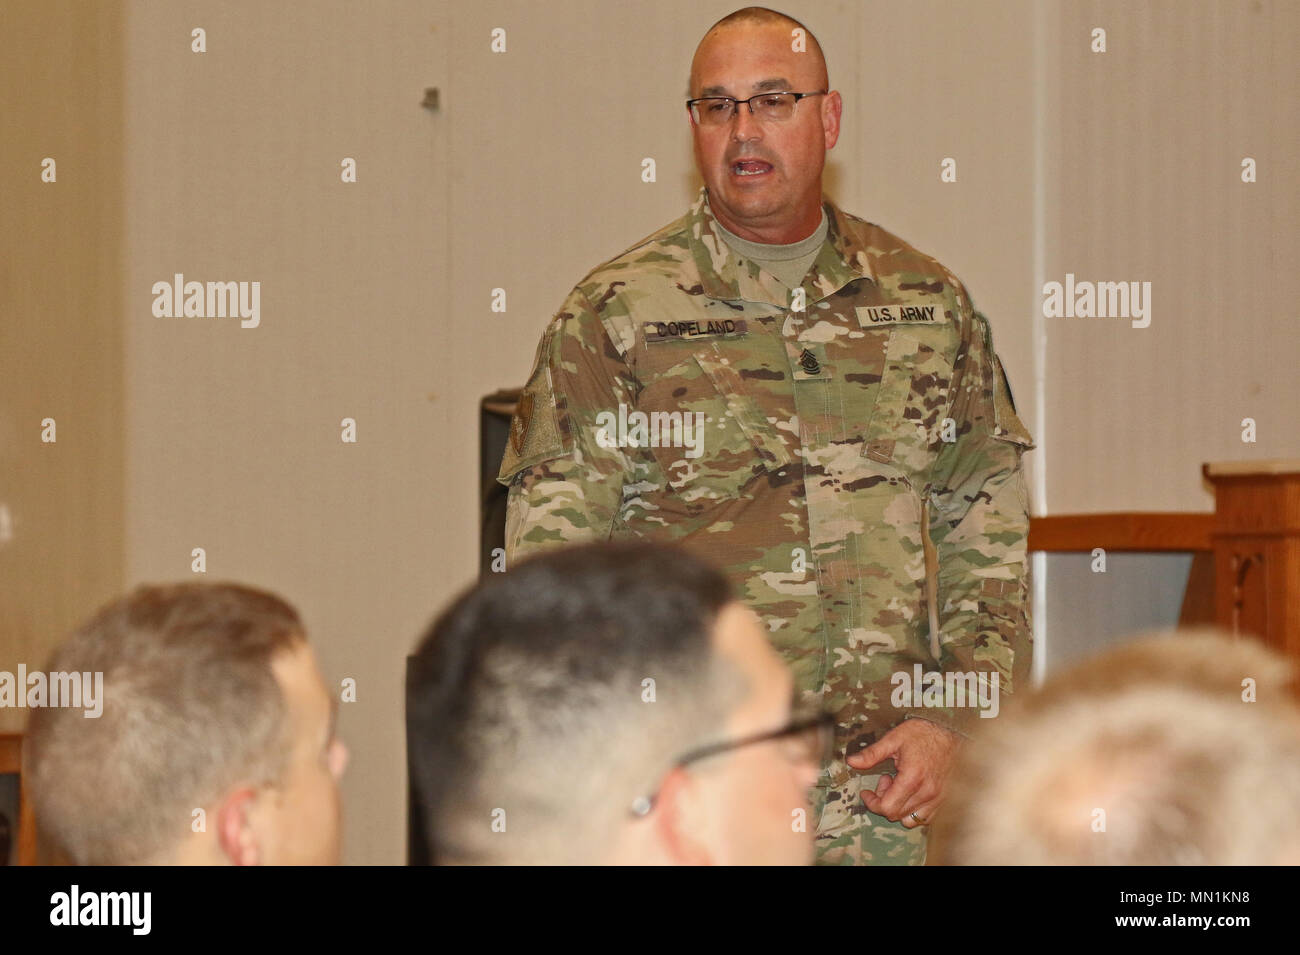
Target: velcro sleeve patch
(535, 435)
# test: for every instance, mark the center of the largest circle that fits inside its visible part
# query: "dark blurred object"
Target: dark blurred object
(417, 846)
(495, 412)
(17, 822)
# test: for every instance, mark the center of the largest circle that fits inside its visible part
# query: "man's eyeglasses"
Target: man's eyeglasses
(765, 107)
(806, 739)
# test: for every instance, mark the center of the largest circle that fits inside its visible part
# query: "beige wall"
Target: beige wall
(61, 263)
(1144, 183)
(375, 296)
(233, 434)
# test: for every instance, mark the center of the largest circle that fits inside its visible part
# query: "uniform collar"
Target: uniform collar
(724, 275)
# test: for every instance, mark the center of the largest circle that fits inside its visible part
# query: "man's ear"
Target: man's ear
(235, 833)
(832, 106)
(682, 819)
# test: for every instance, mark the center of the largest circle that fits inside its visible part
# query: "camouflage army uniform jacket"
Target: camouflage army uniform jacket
(832, 433)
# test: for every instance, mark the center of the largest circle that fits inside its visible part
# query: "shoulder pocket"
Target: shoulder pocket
(1007, 425)
(535, 434)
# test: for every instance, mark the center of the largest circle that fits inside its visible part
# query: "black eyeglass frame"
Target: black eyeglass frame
(642, 805)
(690, 103)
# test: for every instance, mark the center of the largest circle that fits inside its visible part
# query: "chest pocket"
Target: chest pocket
(725, 439)
(914, 383)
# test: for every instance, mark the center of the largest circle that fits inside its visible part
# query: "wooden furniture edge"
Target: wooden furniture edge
(1123, 531)
(11, 761)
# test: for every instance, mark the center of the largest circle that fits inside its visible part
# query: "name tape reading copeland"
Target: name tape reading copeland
(684, 331)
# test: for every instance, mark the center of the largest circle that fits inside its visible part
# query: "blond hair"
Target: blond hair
(1148, 755)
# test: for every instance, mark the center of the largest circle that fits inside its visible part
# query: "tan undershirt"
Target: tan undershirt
(789, 263)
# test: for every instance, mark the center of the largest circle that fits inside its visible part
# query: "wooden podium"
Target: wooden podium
(1256, 542)
(1245, 574)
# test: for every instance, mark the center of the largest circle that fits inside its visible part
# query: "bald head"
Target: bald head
(761, 18)
(763, 174)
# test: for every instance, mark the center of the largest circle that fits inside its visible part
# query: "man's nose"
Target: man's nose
(744, 127)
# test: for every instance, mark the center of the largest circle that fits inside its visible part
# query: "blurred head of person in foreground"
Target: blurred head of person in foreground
(605, 704)
(215, 744)
(1176, 749)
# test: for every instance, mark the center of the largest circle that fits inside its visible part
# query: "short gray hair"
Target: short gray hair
(191, 708)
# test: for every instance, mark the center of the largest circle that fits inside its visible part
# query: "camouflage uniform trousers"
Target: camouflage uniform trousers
(848, 833)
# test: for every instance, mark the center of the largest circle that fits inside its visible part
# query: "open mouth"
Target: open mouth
(750, 167)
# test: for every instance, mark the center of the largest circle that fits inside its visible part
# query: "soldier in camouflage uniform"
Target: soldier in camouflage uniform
(845, 417)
